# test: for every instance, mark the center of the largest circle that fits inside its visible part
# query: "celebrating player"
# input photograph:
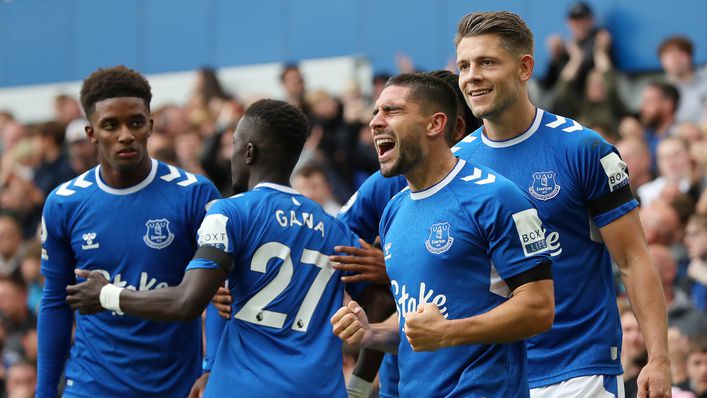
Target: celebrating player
(468, 271)
(580, 186)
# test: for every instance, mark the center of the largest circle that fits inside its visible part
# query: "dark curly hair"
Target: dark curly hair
(115, 82)
(284, 125)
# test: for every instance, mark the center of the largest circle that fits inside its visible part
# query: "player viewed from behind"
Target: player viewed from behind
(272, 244)
(133, 220)
(580, 186)
(468, 271)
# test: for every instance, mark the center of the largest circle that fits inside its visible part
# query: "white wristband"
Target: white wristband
(358, 387)
(110, 298)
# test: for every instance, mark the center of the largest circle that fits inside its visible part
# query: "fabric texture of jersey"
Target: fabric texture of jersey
(454, 245)
(578, 183)
(141, 238)
(279, 342)
(362, 213)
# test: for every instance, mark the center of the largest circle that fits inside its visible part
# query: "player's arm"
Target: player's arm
(613, 209)
(179, 303)
(627, 246)
(55, 318)
(54, 335)
(351, 325)
(528, 312)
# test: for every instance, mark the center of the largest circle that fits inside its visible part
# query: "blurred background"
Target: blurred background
(633, 71)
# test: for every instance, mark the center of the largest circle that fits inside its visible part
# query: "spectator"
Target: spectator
(661, 223)
(697, 367)
(12, 132)
(635, 153)
(187, 148)
(31, 275)
(170, 120)
(216, 160)
(161, 147)
(675, 170)
(13, 304)
(311, 181)
(675, 55)
(696, 243)
(690, 132)
(55, 167)
(82, 154)
(678, 346)
(580, 21)
(10, 246)
(657, 113)
(633, 351)
(600, 102)
(66, 109)
(293, 85)
(21, 379)
(681, 313)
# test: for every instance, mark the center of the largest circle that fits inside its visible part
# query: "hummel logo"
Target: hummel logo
(560, 121)
(89, 238)
(477, 174)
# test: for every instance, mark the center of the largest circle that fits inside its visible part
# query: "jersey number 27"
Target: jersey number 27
(253, 312)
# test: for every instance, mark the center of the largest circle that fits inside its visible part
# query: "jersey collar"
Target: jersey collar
(517, 140)
(127, 191)
(426, 193)
(277, 187)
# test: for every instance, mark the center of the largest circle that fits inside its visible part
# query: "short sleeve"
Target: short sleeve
(58, 259)
(604, 178)
(516, 238)
(221, 230)
(363, 211)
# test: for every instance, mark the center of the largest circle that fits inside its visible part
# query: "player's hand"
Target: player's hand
(222, 301)
(350, 323)
(86, 296)
(424, 328)
(197, 390)
(654, 380)
(366, 262)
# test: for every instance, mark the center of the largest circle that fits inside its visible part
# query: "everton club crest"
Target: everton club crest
(158, 235)
(544, 185)
(440, 239)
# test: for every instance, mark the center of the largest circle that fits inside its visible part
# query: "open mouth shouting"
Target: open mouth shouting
(384, 146)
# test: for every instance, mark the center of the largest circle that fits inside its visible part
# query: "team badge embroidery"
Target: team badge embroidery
(158, 235)
(544, 185)
(440, 239)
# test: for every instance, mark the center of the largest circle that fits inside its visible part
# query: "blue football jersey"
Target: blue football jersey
(455, 244)
(362, 213)
(578, 183)
(140, 238)
(279, 342)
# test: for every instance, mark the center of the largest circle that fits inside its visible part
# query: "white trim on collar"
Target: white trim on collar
(517, 140)
(277, 187)
(426, 193)
(127, 191)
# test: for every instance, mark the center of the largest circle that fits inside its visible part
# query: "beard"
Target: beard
(409, 155)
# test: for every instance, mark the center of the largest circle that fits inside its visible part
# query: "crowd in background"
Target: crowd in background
(663, 141)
